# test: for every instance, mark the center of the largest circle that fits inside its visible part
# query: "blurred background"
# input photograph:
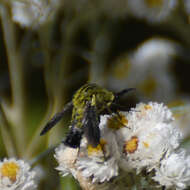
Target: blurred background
(49, 48)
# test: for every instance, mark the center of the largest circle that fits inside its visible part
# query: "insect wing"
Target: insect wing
(56, 118)
(91, 122)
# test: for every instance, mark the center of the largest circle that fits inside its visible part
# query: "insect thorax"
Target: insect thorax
(93, 94)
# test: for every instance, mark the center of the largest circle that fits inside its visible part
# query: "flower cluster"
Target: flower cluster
(174, 171)
(144, 138)
(16, 175)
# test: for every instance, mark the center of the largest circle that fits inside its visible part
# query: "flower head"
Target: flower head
(99, 171)
(150, 134)
(66, 157)
(100, 163)
(143, 139)
(96, 163)
(16, 174)
(174, 171)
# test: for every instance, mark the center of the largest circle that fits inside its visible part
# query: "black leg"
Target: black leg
(73, 138)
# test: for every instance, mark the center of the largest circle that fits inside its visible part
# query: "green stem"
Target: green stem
(15, 113)
(43, 155)
(7, 136)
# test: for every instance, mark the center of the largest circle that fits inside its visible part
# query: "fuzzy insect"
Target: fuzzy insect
(88, 103)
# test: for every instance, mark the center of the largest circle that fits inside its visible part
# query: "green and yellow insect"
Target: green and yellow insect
(88, 103)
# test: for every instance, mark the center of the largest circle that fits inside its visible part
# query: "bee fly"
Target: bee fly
(88, 103)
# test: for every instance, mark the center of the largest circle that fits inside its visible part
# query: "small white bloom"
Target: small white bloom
(100, 163)
(148, 69)
(99, 171)
(153, 48)
(149, 136)
(66, 158)
(16, 175)
(152, 10)
(32, 13)
(182, 118)
(143, 138)
(174, 171)
(153, 112)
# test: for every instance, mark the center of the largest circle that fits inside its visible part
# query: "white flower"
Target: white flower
(153, 48)
(16, 175)
(152, 10)
(143, 138)
(66, 158)
(99, 171)
(32, 13)
(148, 69)
(182, 118)
(174, 171)
(81, 166)
(149, 136)
(100, 163)
(153, 112)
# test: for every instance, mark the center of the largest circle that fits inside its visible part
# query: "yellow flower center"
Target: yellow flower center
(10, 170)
(147, 107)
(98, 149)
(146, 145)
(131, 145)
(117, 122)
(154, 3)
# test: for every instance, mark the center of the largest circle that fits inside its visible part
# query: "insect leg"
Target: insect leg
(74, 137)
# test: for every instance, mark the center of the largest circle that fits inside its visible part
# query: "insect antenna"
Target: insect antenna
(121, 93)
(56, 118)
(118, 105)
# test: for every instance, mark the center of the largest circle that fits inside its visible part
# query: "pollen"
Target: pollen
(10, 170)
(98, 149)
(131, 145)
(147, 107)
(154, 3)
(117, 122)
(146, 145)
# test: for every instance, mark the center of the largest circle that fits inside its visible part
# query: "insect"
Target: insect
(88, 103)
